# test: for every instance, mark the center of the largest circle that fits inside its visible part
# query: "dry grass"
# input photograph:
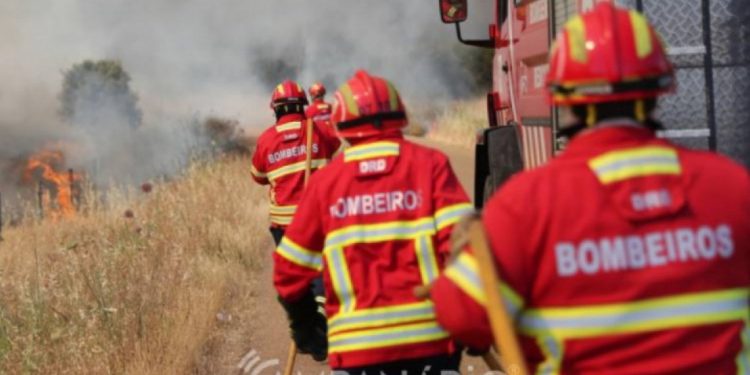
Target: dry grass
(458, 122)
(102, 293)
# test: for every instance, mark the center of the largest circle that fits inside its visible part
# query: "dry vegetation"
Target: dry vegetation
(165, 289)
(458, 122)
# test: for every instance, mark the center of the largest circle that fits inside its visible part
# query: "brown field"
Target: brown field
(169, 290)
(459, 122)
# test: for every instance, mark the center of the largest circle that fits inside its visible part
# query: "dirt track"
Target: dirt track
(270, 339)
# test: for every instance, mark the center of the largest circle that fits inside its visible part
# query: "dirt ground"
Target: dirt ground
(269, 343)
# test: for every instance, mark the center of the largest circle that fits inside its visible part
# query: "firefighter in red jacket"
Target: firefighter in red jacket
(626, 254)
(376, 223)
(318, 109)
(279, 157)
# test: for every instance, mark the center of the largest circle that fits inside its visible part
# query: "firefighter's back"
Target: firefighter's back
(640, 257)
(382, 203)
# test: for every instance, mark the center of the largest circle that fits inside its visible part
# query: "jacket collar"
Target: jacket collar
(395, 136)
(607, 136)
(290, 118)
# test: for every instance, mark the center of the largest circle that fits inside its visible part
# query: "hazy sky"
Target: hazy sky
(195, 58)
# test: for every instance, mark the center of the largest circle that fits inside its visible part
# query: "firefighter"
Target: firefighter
(375, 223)
(279, 157)
(626, 254)
(318, 110)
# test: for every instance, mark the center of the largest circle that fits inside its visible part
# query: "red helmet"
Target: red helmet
(608, 54)
(367, 105)
(317, 90)
(288, 92)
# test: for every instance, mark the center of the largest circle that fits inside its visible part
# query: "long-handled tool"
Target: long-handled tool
(292, 355)
(501, 323)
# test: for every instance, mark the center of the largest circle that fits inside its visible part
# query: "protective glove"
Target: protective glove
(308, 327)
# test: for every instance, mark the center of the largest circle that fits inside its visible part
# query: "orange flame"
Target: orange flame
(43, 167)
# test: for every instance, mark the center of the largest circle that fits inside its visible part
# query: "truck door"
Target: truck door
(709, 43)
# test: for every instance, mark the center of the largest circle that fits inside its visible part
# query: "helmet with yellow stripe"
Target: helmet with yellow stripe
(367, 105)
(288, 92)
(606, 55)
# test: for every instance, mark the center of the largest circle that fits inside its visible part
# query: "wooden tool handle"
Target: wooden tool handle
(308, 150)
(501, 323)
(290, 359)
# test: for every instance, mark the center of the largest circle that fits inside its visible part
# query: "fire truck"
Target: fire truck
(707, 40)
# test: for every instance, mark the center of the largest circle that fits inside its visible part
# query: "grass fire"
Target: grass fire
(58, 187)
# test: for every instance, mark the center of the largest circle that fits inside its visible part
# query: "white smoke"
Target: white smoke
(189, 59)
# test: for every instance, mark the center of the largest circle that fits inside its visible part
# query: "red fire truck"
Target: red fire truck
(708, 41)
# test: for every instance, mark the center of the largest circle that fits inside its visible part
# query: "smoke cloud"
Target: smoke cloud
(192, 59)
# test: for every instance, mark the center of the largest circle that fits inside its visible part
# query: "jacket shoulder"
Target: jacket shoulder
(422, 153)
(715, 167)
(329, 173)
(267, 135)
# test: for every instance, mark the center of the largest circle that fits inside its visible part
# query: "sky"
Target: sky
(191, 59)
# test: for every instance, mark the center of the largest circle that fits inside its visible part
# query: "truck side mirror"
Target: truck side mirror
(453, 11)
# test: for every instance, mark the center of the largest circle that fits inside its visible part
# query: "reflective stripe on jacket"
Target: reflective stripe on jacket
(383, 214)
(279, 161)
(624, 255)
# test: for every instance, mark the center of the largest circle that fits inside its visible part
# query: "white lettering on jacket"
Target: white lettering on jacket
(377, 203)
(651, 200)
(290, 152)
(372, 166)
(653, 249)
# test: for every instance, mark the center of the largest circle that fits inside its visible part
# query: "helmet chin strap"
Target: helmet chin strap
(640, 111)
(590, 115)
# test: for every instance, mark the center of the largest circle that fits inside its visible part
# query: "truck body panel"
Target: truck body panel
(707, 40)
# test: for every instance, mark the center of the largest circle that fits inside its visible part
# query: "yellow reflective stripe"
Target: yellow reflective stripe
(280, 89)
(428, 266)
(641, 34)
(553, 350)
(381, 316)
(297, 254)
(450, 215)
(647, 315)
(351, 105)
(637, 162)
(386, 337)
(281, 219)
(576, 31)
(743, 357)
(371, 150)
(513, 301)
(464, 273)
(283, 210)
(289, 126)
(255, 172)
(452, 11)
(341, 279)
(294, 168)
(372, 233)
(322, 106)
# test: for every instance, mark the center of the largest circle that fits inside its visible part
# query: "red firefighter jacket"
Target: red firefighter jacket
(279, 160)
(376, 223)
(318, 110)
(624, 255)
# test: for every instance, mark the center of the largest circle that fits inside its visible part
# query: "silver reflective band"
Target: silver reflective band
(683, 133)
